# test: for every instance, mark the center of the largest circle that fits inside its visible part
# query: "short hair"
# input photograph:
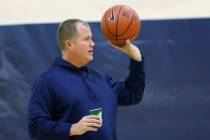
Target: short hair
(68, 30)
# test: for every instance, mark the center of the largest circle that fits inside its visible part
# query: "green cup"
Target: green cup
(97, 112)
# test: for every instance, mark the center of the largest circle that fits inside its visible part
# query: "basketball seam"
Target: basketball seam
(121, 39)
(117, 21)
(128, 25)
(107, 25)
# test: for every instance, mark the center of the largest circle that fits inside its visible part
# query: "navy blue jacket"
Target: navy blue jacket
(65, 94)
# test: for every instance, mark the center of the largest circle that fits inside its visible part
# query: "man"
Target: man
(63, 96)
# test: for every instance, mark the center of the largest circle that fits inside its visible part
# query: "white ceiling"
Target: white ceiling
(46, 11)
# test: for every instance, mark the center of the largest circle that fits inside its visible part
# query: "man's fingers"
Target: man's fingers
(94, 125)
(127, 42)
(114, 46)
(95, 117)
(93, 121)
(92, 117)
(91, 128)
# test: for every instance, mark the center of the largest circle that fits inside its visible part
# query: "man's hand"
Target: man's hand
(130, 49)
(87, 123)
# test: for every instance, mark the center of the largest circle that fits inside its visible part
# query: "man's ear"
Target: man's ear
(68, 43)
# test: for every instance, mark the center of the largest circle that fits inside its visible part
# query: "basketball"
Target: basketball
(119, 23)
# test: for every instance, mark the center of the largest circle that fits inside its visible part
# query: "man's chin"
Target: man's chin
(90, 58)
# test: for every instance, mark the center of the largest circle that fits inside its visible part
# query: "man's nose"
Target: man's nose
(92, 44)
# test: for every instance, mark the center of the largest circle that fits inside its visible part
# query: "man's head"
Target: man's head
(75, 40)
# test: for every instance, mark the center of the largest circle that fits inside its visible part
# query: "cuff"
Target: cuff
(65, 131)
(136, 64)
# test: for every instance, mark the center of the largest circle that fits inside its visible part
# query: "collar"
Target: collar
(60, 62)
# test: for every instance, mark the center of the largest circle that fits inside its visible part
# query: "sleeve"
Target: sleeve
(130, 91)
(40, 115)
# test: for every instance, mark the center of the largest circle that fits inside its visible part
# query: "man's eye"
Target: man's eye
(88, 39)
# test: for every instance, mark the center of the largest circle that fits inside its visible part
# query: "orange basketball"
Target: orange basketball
(119, 23)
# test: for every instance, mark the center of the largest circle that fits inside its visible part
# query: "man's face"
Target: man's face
(82, 46)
